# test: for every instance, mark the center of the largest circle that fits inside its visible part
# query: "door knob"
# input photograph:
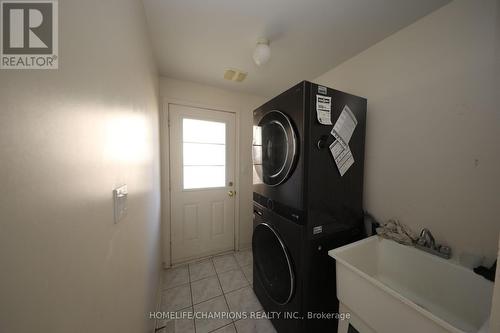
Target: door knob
(231, 193)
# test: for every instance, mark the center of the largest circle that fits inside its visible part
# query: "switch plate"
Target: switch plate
(120, 195)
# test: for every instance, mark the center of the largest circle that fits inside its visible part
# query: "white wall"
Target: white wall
(216, 98)
(67, 138)
(433, 153)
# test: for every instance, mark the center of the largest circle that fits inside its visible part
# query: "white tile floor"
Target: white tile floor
(221, 283)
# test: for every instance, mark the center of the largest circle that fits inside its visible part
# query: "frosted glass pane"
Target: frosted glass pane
(204, 176)
(194, 130)
(257, 154)
(204, 154)
(257, 136)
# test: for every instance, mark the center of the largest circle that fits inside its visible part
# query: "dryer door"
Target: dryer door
(272, 264)
(275, 148)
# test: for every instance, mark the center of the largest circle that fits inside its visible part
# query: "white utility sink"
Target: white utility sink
(391, 288)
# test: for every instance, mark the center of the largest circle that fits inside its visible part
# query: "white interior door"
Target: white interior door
(202, 192)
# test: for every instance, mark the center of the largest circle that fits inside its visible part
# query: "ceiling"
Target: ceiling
(197, 40)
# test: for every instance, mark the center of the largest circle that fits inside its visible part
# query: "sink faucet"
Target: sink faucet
(426, 239)
(427, 243)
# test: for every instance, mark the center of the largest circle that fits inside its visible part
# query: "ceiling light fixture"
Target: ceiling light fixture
(262, 52)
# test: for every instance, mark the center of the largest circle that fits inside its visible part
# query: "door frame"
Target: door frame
(165, 227)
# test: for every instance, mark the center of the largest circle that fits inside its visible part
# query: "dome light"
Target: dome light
(262, 52)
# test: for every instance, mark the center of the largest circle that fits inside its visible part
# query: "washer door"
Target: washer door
(274, 148)
(272, 264)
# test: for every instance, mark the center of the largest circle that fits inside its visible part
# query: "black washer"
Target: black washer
(273, 264)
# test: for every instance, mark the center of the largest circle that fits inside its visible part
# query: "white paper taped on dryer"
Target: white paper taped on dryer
(341, 154)
(324, 109)
(345, 125)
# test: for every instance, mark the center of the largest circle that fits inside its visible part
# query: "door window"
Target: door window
(204, 153)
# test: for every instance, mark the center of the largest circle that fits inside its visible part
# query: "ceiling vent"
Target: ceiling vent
(235, 75)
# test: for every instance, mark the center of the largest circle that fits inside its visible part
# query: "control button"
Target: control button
(270, 204)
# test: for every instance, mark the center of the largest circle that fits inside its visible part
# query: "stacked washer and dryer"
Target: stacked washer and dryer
(303, 207)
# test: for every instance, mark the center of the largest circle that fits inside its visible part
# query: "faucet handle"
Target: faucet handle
(446, 250)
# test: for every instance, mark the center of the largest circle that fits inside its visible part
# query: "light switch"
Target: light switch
(120, 195)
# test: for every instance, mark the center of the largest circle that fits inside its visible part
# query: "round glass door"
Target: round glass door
(272, 264)
(274, 148)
